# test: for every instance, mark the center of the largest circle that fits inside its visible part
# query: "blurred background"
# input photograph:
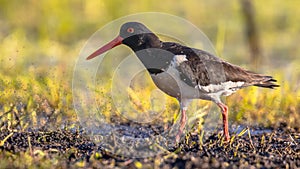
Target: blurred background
(41, 40)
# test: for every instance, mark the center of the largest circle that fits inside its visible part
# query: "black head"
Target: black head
(137, 36)
(129, 29)
(133, 34)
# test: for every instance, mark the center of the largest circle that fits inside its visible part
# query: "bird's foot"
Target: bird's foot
(226, 137)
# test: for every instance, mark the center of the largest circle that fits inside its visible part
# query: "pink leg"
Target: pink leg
(182, 125)
(224, 110)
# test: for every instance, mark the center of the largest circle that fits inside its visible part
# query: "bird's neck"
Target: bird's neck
(144, 41)
(154, 57)
(151, 52)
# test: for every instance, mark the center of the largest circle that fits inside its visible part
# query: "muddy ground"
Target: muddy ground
(277, 148)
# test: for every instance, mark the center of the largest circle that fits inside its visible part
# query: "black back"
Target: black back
(200, 67)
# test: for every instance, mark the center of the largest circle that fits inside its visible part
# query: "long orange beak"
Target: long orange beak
(115, 42)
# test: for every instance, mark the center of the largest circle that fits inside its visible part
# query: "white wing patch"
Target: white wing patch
(179, 59)
(225, 86)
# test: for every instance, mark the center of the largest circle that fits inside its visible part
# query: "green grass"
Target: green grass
(53, 97)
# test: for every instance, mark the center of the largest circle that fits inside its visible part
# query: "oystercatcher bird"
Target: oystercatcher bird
(184, 72)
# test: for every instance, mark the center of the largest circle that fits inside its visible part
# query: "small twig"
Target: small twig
(30, 146)
(270, 139)
(293, 140)
(243, 132)
(5, 139)
(251, 142)
(161, 148)
(231, 140)
(17, 119)
(262, 142)
(171, 154)
(201, 136)
(236, 150)
(279, 153)
(11, 109)
(126, 163)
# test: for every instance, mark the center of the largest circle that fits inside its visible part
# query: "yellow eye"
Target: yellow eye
(130, 30)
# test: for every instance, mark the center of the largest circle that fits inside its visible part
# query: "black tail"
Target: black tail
(267, 82)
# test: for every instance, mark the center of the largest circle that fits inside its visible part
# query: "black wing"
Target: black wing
(202, 68)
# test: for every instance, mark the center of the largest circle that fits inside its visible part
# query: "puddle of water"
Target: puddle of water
(253, 130)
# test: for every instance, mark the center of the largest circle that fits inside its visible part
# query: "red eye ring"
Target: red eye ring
(130, 30)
